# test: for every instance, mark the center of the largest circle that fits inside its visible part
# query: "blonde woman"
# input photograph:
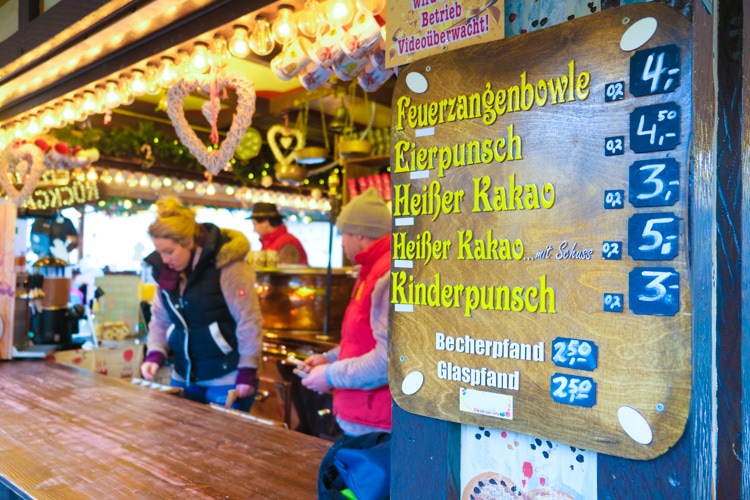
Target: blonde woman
(206, 311)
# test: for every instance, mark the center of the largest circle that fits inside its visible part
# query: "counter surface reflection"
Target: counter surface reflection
(69, 433)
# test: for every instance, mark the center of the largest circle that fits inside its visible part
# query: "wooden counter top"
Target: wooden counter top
(68, 433)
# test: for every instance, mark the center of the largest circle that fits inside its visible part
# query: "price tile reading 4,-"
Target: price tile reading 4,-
(655, 71)
(655, 128)
(572, 390)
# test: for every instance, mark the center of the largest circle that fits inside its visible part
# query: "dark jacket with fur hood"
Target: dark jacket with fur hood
(211, 321)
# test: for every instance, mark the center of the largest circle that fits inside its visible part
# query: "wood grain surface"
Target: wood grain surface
(644, 360)
(69, 433)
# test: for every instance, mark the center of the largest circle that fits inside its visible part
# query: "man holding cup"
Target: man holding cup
(274, 236)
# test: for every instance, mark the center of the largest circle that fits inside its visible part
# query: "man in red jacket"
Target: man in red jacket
(269, 224)
(357, 370)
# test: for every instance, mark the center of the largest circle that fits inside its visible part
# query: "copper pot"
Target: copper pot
(295, 298)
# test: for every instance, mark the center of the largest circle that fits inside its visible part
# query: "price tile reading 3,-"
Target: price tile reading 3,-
(654, 291)
(654, 183)
(655, 128)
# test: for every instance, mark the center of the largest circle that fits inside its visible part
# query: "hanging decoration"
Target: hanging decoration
(215, 160)
(291, 140)
(249, 146)
(148, 158)
(312, 154)
(61, 155)
(22, 164)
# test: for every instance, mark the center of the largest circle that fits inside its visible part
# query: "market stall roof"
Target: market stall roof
(73, 44)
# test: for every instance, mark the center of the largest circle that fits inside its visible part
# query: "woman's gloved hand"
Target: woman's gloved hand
(247, 381)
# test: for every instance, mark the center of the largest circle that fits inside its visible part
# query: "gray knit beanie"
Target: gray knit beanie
(366, 215)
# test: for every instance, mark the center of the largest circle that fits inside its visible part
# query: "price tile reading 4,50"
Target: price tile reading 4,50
(654, 291)
(575, 353)
(655, 127)
(573, 390)
(653, 236)
(654, 183)
(655, 71)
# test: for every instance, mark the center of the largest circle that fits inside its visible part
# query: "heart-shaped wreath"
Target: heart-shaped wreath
(25, 161)
(291, 140)
(215, 161)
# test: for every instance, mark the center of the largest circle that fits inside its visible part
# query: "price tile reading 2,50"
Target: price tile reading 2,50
(573, 390)
(575, 353)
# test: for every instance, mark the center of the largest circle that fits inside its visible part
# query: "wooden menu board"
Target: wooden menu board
(539, 275)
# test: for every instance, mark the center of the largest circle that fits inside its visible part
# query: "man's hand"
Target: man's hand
(316, 379)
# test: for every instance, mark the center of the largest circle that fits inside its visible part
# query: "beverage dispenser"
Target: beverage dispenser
(52, 319)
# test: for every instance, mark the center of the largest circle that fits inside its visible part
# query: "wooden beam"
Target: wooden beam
(702, 425)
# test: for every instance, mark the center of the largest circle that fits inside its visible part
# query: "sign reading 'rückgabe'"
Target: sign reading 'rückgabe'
(539, 272)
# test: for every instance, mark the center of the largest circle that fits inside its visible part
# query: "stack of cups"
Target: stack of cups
(375, 74)
(293, 59)
(348, 54)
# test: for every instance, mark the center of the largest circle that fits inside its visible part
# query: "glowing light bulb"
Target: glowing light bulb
(32, 127)
(284, 29)
(111, 94)
(310, 19)
(89, 102)
(261, 40)
(200, 60)
(372, 7)
(68, 113)
(167, 74)
(239, 45)
(48, 119)
(119, 178)
(339, 12)
(210, 189)
(220, 53)
(91, 174)
(138, 84)
(153, 86)
(126, 95)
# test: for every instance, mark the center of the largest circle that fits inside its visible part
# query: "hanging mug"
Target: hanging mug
(327, 47)
(293, 59)
(314, 75)
(347, 67)
(372, 78)
(377, 55)
(363, 35)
